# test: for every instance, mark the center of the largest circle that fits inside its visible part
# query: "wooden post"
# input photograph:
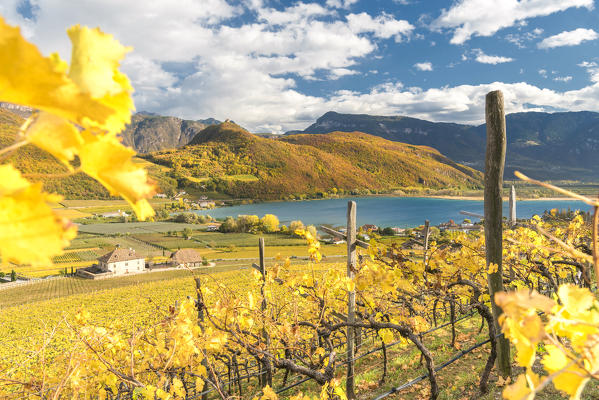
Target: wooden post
(494, 163)
(351, 296)
(426, 234)
(266, 378)
(513, 206)
(200, 305)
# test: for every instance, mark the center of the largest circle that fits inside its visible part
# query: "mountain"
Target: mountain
(227, 158)
(150, 132)
(543, 145)
(40, 166)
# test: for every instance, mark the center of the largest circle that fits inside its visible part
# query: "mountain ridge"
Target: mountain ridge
(229, 159)
(558, 145)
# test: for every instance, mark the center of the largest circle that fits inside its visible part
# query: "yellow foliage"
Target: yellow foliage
(79, 114)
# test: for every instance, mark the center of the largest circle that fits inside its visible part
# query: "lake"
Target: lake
(402, 212)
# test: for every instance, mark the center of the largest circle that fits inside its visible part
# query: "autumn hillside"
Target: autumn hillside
(227, 158)
(40, 166)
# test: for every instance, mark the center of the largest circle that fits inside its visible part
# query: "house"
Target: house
(160, 196)
(369, 227)
(186, 258)
(398, 231)
(121, 261)
(117, 213)
(207, 204)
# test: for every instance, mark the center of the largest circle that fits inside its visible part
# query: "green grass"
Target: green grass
(136, 227)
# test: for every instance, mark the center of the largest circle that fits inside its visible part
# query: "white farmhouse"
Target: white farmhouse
(121, 261)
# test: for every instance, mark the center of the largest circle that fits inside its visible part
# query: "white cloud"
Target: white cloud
(294, 14)
(568, 38)
(186, 64)
(520, 39)
(337, 73)
(346, 4)
(567, 78)
(543, 73)
(483, 58)
(383, 26)
(424, 66)
(467, 18)
(592, 68)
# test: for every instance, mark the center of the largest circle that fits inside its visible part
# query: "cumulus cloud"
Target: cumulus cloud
(568, 38)
(195, 60)
(467, 18)
(383, 26)
(424, 66)
(483, 58)
(341, 3)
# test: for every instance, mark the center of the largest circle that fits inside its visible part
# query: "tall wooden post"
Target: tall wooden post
(494, 163)
(200, 305)
(265, 379)
(513, 206)
(426, 235)
(351, 296)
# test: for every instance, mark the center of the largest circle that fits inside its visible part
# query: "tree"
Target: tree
(13, 276)
(388, 231)
(247, 223)
(187, 232)
(295, 225)
(230, 225)
(270, 223)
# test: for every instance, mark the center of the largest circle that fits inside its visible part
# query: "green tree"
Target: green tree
(187, 232)
(230, 225)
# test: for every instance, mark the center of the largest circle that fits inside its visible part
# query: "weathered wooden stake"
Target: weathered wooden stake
(494, 163)
(266, 378)
(513, 206)
(426, 234)
(351, 297)
(200, 305)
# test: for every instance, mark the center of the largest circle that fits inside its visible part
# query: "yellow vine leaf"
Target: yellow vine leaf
(518, 390)
(572, 379)
(107, 160)
(94, 68)
(55, 135)
(29, 78)
(31, 232)
(82, 112)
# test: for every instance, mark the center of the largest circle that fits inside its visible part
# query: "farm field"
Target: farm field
(136, 227)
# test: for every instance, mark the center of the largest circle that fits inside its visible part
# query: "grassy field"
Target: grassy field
(136, 227)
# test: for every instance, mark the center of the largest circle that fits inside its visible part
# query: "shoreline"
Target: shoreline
(419, 196)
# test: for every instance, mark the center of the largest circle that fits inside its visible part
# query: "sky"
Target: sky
(278, 65)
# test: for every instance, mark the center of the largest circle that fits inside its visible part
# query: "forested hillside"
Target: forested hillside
(229, 159)
(559, 145)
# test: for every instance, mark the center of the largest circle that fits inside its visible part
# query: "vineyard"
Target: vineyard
(411, 318)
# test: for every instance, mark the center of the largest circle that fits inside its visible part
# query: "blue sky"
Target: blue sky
(278, 65)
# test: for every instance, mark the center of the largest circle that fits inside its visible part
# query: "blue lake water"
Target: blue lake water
(385, 211)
